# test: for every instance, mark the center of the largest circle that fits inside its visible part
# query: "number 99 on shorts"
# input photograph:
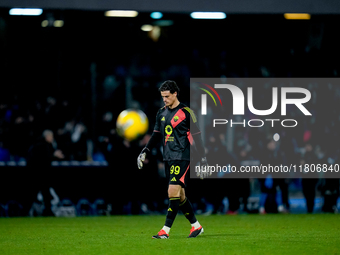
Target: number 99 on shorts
(175, 169)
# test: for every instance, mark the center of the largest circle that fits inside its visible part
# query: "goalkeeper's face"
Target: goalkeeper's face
(168, 98)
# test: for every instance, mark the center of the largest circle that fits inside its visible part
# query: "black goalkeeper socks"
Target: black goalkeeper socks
(172, 211)
(187, 210)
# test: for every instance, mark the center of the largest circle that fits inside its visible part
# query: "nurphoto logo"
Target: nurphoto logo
(301, 97)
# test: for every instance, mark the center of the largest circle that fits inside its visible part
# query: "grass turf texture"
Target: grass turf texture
(241, 234)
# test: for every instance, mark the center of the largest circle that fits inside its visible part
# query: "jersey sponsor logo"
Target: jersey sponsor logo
(168, 130)
(173, 179)
(163, 119)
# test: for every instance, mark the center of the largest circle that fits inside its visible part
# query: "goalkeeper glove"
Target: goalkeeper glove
(204, 169)
(142, 157)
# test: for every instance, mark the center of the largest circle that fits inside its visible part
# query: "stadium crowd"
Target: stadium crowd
(82, 137)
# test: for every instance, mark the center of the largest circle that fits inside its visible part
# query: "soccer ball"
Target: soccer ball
(132, 124)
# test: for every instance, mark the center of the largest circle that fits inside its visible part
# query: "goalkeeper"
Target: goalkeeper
(177, 126)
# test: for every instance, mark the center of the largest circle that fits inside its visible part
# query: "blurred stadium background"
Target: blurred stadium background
(73, 68)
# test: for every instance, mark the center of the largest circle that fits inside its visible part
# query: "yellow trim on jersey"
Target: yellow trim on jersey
(192, 114)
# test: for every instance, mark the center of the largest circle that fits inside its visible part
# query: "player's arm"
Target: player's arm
(155, 138)
(201, 153)
(199, 145)
(204, 167)
(196, 135)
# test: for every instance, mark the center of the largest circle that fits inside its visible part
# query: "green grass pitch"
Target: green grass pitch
(224, 234)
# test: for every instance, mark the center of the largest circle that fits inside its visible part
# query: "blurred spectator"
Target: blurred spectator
(64, 140)
(239, 188)
(330, 189)
(267, 190)
(40, 156)
(107, 136)
(330, 192)
(79, 142)
(309, 184)
(72, 140)
(272, 199)
(217, 188)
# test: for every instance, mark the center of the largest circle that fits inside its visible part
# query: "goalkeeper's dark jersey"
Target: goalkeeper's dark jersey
(177, 127)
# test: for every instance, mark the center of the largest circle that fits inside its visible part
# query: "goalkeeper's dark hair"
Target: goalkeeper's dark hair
(169, 85)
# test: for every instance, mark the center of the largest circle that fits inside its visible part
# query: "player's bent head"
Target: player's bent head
(169, 85)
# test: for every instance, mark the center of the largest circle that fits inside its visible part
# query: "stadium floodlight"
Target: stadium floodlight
(58, 23)
(208, 15)
(305, 16)
(121, 13)
(156, 15)
(147, 27)
(26, 11)
(44, 23)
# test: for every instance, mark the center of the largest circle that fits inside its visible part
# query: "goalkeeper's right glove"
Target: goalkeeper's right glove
(142, 157)
(204, 170)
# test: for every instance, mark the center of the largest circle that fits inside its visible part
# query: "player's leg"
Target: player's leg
(186, 207)
(172, 171)
(174, 200)
(177, 172)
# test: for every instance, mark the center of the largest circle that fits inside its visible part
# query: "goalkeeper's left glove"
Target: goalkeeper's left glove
(204, 169)
(142, 157)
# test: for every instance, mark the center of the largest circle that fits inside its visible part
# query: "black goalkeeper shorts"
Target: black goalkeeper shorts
(177, 171)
